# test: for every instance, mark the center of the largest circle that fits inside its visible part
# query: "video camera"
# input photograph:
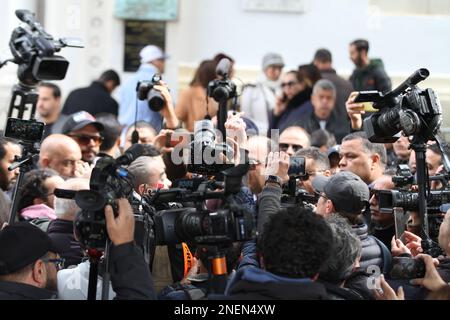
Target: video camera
(407, 108)
(109, 181)
(229, 223)
(407, 198)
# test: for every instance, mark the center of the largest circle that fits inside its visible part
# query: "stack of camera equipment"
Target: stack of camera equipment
(33, 50)
(293, 195)
(417, 114)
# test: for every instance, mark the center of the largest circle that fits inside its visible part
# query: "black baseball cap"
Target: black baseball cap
(346, 190)
(80, 120)
(22, 244)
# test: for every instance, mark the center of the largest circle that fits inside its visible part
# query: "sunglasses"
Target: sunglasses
(85, 140)
(59, 263)
(288, 84)
(285, 146)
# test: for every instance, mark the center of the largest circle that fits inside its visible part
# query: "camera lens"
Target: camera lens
(155, 101)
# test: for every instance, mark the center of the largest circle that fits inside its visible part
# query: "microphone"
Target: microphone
(26, 16)
(223, 68)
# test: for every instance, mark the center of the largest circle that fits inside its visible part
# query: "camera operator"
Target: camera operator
(86, 131)
(258, 149)
(382, 225)
(49, 108)
(347, 195)
(293, 139)
(37, 200)
(362, 157)
(293, 248)
(29, 261)
(62, 154)
(111, 135)
(270, 198)
(61, 230)
(316, 163)
(8, 151)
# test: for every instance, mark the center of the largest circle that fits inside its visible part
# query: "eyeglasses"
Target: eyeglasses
(59, 263)
(288, 84)
(85, 140)
(285, 146)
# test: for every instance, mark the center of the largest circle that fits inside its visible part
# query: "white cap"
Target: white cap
(150, 53)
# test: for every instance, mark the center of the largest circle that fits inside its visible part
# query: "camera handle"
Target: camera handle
(428, 245)
(222, 116)
(28, 97)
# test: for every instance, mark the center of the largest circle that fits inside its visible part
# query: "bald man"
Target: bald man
(258, 149)
(60, 153)
(293, 139)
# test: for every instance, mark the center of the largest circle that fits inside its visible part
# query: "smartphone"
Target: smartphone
(407, 268)
(284, 97)
(297, 167)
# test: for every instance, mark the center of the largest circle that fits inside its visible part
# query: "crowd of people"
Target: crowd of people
(325, 249)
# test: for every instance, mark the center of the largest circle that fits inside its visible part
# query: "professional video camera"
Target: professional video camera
(293, 195)
(230, 223)
(407, 198)
(145, 91)
(407, 108)
(109, 182)
(418, 114)
(33, 50)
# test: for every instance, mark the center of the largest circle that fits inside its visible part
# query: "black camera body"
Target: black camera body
(145, 91)
(293, 195)
(207, 156)
(34, 51)
(407, 108)
(229, 223)
(221, 90)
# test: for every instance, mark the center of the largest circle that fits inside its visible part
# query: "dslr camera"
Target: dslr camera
(146, 92)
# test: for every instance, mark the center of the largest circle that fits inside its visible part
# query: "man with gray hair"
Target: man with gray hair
(342, 261)
(322, 117)
(61, 230)
(149, 173)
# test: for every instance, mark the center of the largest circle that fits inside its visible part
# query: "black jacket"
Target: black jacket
(334, 125)
(372, 254)
(295, 109)
(21, 291)
(61, 233)
(257, 284)
(130, 278)
(371, 77)
(94, 99)
(343, 90)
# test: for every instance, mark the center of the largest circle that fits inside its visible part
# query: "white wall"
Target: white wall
(206, 27)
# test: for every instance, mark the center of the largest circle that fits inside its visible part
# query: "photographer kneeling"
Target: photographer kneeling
(29, 263)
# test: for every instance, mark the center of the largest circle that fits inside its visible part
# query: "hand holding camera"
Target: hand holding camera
(278, 165)
(121, 228)
(355, 111)
(432, 280)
